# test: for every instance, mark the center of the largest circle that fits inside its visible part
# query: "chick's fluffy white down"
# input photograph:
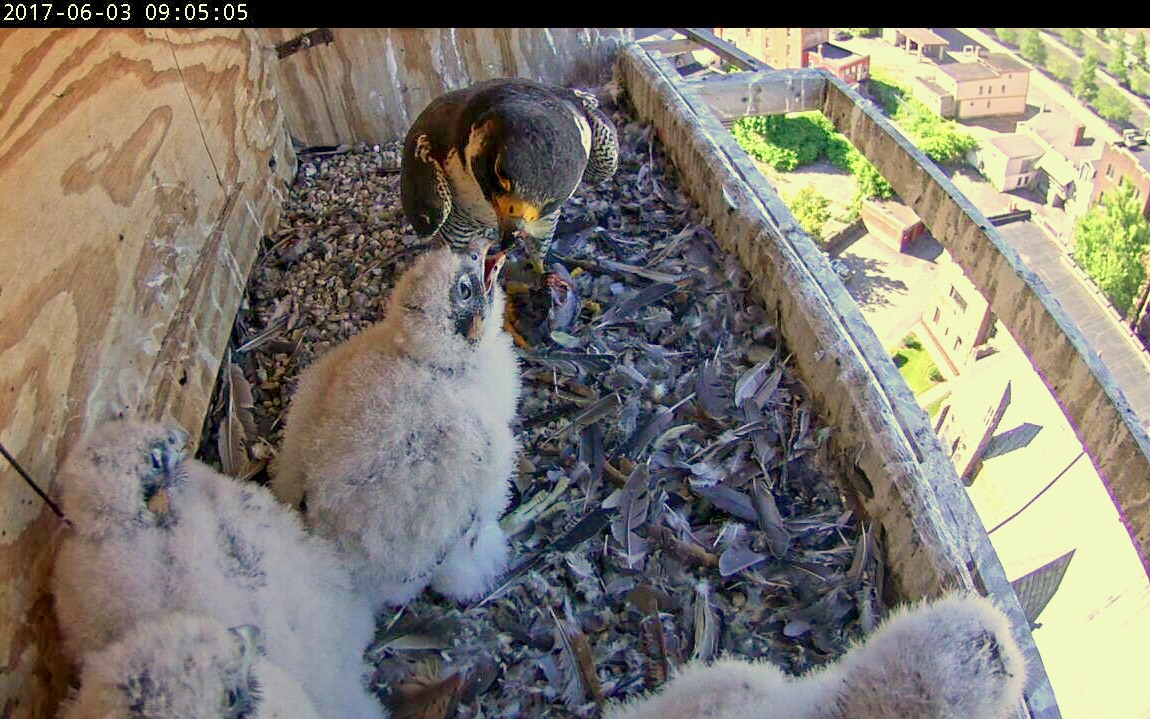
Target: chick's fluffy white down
(400, 439)
(222, 548)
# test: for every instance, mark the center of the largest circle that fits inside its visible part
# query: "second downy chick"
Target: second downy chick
(188, 666)
(399, 441)
(155, 532)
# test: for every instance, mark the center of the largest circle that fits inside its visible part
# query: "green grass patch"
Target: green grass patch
(788, 142)
(915, 365)
(933, 408)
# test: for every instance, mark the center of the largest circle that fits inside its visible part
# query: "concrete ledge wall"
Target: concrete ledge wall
(931, 537)
(1114, 438)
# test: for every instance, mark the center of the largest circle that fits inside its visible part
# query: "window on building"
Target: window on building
(988, 103)
(957, 343)
(989, 90)
(1004, 89)
(957, 299)
(980, 89)
(937, 315)
(1110, 171)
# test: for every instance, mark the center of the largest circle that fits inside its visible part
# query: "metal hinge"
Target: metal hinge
(319, 36)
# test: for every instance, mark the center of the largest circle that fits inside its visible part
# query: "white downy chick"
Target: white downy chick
(951, 659)
(399, 440)
(155, 532)
(188, 666)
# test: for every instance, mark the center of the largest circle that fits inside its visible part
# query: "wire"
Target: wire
(33, 485)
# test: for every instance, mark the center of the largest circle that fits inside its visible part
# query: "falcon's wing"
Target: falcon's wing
(424, 189)
(603, 159)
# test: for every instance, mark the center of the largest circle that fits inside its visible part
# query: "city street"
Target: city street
(1041, 255)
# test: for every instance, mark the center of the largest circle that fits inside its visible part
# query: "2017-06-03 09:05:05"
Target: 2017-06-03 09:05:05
(124, 12)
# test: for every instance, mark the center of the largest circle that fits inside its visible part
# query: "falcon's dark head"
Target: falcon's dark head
(527, 158)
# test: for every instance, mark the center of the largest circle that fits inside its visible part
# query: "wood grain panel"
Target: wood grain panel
(135, 170)
(369, 84)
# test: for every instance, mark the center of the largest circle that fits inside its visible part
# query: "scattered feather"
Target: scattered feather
(735, 559)
(239, 424)
(707, 624)
(577, 663)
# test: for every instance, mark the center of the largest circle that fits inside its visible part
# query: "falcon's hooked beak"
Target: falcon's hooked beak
(514, 215)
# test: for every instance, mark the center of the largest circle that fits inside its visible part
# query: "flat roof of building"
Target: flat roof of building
(968, 71)
(1016, 145)
(923, 36)
(896, 210)
(1142, 154)
(933, 87)
(984, 67)
(831, 51)
(1003, 63)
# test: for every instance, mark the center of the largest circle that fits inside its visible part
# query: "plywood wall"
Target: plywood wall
(369, 84)
(138, 169)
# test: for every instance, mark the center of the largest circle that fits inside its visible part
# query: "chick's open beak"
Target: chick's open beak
(492, 265)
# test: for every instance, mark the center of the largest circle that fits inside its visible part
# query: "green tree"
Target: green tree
(1110, 244)
(1007, 34)
(1061, 69)
(1111, 105)
(1138, 50)
(1086, 84)
(1117, 65)
(1031, 47)
(811, 209)
(1072, 36)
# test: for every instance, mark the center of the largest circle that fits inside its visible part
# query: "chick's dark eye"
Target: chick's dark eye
(231, 698)
(464, 288)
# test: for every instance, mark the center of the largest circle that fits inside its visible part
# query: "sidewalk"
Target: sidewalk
(1102, 75)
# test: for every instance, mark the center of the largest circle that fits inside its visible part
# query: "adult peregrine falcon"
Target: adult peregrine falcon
(505, 154)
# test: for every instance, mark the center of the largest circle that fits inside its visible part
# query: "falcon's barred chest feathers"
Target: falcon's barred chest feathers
(503, 154)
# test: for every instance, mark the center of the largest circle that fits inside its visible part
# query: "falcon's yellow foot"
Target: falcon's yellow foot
(510, 317)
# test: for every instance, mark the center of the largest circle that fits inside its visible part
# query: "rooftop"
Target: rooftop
(984, 67)
(933, 87)
(1058, 167)
(922, 36)
(1141, 153)
(897, 211)
(962, 71)
(830, 51)
(1016, 145)
(1003, 63)
(1055, 131)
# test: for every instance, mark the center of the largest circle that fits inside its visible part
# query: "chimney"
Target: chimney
(1079, 132)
